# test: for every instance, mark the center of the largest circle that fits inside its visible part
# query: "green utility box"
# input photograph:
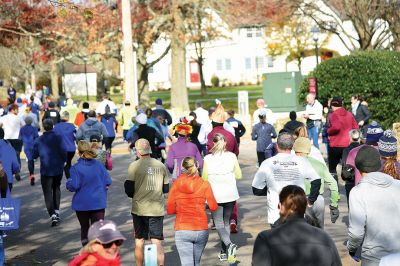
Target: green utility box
(280, 91)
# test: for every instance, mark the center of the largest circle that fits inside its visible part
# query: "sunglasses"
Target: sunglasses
(109, 245)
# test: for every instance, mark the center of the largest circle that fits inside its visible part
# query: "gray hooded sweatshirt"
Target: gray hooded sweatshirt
(89, 128)
(375, 217)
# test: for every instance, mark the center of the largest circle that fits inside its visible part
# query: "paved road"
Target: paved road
(36, 243)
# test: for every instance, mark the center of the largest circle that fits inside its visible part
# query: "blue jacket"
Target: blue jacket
(109, 122)
(9, 159)
(67, 132)
(28, 134)
(53, 155)
(129, 134)
(89, 180)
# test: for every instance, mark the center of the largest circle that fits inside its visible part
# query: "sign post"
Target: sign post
(243, 103)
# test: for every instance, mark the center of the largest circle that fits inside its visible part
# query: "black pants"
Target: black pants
(124, 132)
(31, 167)
(17, 145)
(87, 218)
(334, 157)
(260, 157)
(107, 141)
(67, 167)
(51, 192)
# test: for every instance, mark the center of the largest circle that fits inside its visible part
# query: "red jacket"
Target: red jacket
(94, 259)
(187, 199)
(341, 122)
(231, 144)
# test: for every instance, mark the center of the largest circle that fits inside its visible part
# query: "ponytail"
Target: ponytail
(189, 165)
(390, 168)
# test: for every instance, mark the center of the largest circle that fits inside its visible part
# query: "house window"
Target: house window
(228, 64)
(270, 61)
(219, 64)
(253, 32)
(247, 63)
(259, 62)
(258, 32)
(249, 33)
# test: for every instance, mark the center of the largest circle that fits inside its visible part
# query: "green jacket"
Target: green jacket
(125, 117)
(326, 177)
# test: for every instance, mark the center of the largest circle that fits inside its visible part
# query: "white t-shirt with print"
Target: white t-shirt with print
(278, 172)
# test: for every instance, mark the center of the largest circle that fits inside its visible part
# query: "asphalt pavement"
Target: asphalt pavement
(37, 243)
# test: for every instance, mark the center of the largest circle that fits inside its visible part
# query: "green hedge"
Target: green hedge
(375, 75)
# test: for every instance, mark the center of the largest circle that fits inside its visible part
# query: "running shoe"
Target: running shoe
(54, 220)
(232, 252)
(233, 227)
(58, 216)
(222, 256)
(32, 180)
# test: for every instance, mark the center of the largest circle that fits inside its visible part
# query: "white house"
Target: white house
(239, 58)
(79, 81)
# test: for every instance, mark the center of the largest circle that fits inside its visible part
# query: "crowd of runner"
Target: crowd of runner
(194, 164)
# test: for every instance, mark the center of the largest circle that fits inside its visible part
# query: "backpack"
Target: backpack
(92, 131)
(348, 173)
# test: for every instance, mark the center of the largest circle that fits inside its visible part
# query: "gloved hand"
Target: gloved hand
(354, 256)
(334, 213)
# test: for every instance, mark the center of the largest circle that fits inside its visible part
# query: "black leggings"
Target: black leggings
(17, 145)
(31, 167)
(107, 141)
(87, 218)
(67, 167)
(334, 157)
(260, 157)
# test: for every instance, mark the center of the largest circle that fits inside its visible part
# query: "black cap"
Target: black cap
(52, 105)
(368, 160)
(337, 101)
(95, 138)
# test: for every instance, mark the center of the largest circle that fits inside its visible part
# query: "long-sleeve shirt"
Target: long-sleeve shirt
(231, 144)
(263, 134)
(326, 178)
(314, 111)
(222, 170)
(178, 151)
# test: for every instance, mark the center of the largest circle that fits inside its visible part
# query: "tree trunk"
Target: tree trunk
(179, 94)
(143, 77)
(203, 88)
(33, 79)
(54, 80)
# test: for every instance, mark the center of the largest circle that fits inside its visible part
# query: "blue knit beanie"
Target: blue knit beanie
(374, 133)
(388, 144)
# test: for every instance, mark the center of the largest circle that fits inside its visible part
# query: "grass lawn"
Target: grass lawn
(227, 95)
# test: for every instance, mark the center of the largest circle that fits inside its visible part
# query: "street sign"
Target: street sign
(312, 87)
